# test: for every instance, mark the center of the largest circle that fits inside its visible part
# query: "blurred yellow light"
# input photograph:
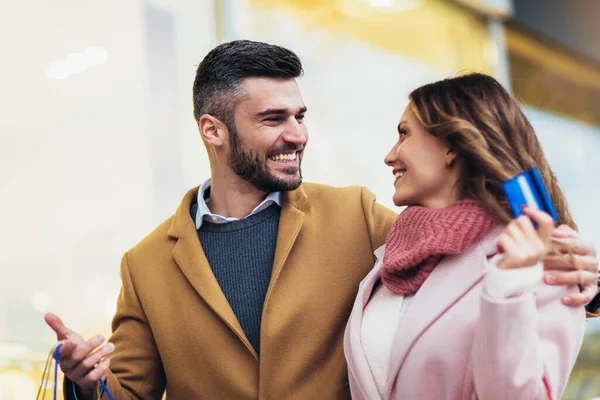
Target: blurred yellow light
(17, 385)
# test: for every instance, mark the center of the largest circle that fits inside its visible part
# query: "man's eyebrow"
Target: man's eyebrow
(278, 111)
(271, 111)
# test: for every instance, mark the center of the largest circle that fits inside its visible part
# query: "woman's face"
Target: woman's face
(420, 163)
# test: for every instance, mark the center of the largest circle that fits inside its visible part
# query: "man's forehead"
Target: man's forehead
(265, 83)
(263, 93)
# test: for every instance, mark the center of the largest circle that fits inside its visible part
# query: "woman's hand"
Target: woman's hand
(521, 244)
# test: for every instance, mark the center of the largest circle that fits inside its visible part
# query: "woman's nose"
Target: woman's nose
(390, 157)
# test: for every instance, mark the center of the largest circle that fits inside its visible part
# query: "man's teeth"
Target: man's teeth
(284, 157)
(398, 174)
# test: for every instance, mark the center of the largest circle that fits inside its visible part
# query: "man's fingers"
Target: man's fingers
(62, 332)
(576, 245)
(565, 262)
(66, 349)
(578, 277)
(564, 231)
(80, 353)
(580, 299)
(85, 366)
(99, 372)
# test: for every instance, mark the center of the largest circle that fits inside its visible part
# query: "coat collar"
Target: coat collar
(191, 259)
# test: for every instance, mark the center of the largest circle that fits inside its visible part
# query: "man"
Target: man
(245, 291)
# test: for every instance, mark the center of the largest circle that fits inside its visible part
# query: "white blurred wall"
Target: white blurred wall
(92, 162)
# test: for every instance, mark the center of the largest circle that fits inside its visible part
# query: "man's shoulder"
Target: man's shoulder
(163, 237)
(345, 201)
(341, 197)
(321, 190)
(156, 239)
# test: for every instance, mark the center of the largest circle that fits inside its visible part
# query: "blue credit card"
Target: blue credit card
(527, 189)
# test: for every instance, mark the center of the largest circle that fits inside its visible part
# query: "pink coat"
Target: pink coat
(455, 342)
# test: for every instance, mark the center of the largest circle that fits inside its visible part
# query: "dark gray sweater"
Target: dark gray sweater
(240, 254)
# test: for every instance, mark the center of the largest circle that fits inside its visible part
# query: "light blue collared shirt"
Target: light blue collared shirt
(204, 214)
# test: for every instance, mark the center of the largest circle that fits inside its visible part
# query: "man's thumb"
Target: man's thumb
(62, 332)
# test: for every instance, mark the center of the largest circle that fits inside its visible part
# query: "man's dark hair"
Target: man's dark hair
(217, 87)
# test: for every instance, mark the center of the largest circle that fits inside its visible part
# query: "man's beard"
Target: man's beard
(248, 166)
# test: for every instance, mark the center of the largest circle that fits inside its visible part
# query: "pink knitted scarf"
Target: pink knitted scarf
(421, 236)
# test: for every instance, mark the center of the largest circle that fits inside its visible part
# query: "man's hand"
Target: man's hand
(582, 270)
(83, 362)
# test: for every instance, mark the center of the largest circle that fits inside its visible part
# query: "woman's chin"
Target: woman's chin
(400, 201)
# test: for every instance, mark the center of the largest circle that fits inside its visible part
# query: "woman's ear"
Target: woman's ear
(450, 158)
(212, 130)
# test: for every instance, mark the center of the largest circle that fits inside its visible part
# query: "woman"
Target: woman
(455, 307)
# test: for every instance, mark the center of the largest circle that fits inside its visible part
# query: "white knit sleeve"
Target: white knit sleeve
(503, 283)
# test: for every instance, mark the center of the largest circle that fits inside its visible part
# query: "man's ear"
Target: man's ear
(212, 130)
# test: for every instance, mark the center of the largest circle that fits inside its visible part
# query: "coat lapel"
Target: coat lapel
(290, 223)
(449, 281)
(190, 258)
(353, 348)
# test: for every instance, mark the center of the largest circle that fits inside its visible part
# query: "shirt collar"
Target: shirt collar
(204, 214)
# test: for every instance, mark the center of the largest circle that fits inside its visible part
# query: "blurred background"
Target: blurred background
(98, 143)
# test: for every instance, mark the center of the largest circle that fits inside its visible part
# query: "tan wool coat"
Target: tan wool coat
(175, 330)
